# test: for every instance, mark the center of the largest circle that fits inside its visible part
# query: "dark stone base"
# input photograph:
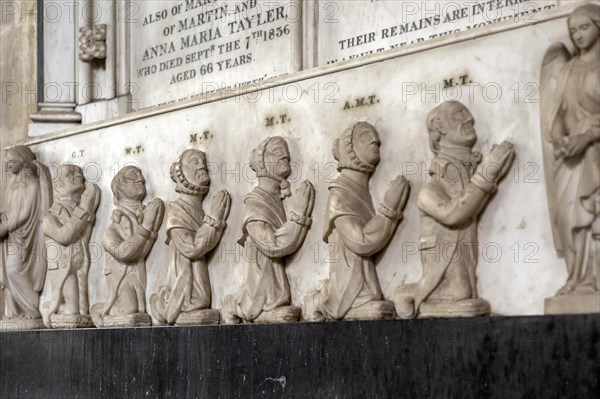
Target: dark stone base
(499, 357)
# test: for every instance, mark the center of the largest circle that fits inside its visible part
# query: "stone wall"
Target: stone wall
(494, 70)
(18, 70)
(518, 265)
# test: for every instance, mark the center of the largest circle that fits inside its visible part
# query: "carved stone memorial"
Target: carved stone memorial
(351, 29)
(449, 205)
(570, 111)
(268, 235)
(127, 241)
(184, 49)
(68, 228)
(186, 298)
(27, 196)
(356, 232)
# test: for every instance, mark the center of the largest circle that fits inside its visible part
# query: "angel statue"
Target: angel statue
(570, 112)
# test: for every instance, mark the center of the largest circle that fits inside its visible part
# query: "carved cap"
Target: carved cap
(343, 150)
(257, 158)
(257, 163)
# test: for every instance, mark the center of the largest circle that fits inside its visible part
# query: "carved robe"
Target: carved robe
(68, 231)
(23, 252)
(449, 205)
(127, 243)
(576, 193)
(266, 285)
(353, 279)
(188, 285)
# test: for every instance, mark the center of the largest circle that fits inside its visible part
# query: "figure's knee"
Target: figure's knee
(230, 311)
(404, 302)
(311, 311)
(128, 299)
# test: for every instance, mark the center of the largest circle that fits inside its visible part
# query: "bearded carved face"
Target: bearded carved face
(277, 159)
(13, 163)
(193, 166)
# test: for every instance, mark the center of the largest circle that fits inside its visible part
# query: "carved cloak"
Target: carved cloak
(188, 282)
(353, 280)
(125, 271)
(23, 250)
(576, 181)
(266, 284)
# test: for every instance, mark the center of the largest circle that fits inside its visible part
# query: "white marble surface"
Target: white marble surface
(520, 267)
(181, 49)
(59, 53)
(350, 29)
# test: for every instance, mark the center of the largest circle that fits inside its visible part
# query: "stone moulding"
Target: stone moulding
(556, 13)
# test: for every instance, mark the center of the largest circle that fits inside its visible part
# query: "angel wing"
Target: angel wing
(555, 59)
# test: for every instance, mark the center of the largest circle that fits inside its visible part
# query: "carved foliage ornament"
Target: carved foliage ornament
(92, 43)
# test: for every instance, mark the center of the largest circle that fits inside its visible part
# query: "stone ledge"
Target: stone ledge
(545, 356)
(572, 304)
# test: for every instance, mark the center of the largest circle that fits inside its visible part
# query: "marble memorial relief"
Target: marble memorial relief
(357, 232)
(186, 298)
(127, 241)
(68, 228)
(570, 111)
(27, 196)
(449, 205)
(206, 73)
(268, 235)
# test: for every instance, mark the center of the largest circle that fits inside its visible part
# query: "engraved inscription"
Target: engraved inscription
(402, 23)
(457, 81)
(361, 102)
(276, 120)
(77, 154)
(195, 137)
(138, 149)
(216, 42)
